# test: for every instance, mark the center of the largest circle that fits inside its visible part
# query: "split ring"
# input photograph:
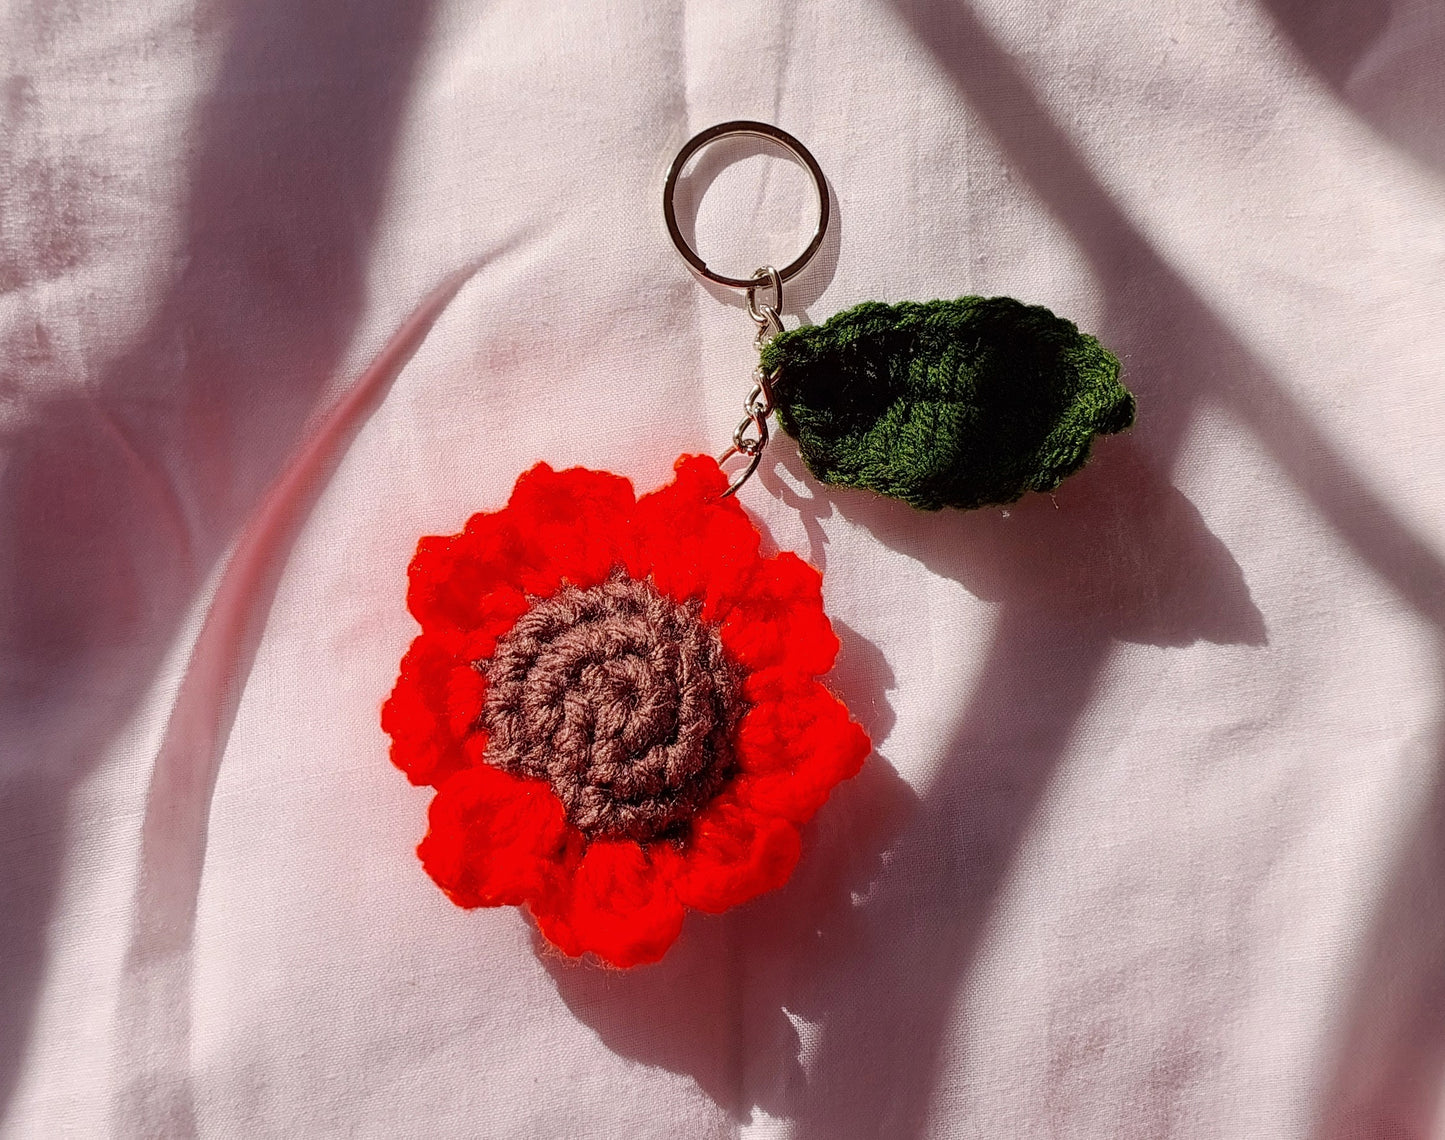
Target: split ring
(734, 129)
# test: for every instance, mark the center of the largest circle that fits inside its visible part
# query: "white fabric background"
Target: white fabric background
(1154, 841)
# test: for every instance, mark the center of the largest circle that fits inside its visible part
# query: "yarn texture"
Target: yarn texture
(961, 403)
(622, 700)
(617, 702)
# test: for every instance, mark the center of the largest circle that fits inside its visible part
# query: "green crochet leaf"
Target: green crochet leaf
(949, 403)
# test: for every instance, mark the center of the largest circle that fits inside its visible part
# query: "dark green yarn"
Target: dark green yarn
(948, 403)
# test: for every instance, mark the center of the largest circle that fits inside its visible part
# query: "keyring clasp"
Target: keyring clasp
(768, 317)
(733, 129)
(752, 433)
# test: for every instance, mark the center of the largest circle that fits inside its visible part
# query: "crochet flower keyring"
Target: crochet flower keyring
(618, 698)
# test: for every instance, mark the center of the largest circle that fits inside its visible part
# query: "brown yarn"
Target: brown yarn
(623, 699)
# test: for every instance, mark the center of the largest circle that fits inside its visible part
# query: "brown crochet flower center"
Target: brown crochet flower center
(620, 697)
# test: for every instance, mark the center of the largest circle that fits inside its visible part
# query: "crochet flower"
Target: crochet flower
(617, 701)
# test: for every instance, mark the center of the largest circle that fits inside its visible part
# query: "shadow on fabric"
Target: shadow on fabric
(1117, 554)
(1382, 57)
(1128, 558)
(117, 501)
(1389, 1056)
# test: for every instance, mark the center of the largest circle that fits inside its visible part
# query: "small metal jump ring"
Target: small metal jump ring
(745, 127)
(770, 278)
(767, 317)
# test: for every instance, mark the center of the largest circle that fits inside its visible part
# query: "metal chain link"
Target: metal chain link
(756, 409)
(752, 433)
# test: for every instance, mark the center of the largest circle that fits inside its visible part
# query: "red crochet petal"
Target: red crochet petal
(779, 623)
(793, 751)
(619, 905)
(463, 583)
(494, 840)
(735, 854)
(692, 543)
(557, 525)
(569, 525)
(422, 710)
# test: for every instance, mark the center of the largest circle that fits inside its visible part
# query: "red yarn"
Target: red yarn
(497, 839)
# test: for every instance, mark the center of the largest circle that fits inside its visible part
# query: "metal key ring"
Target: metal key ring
(736, 128)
